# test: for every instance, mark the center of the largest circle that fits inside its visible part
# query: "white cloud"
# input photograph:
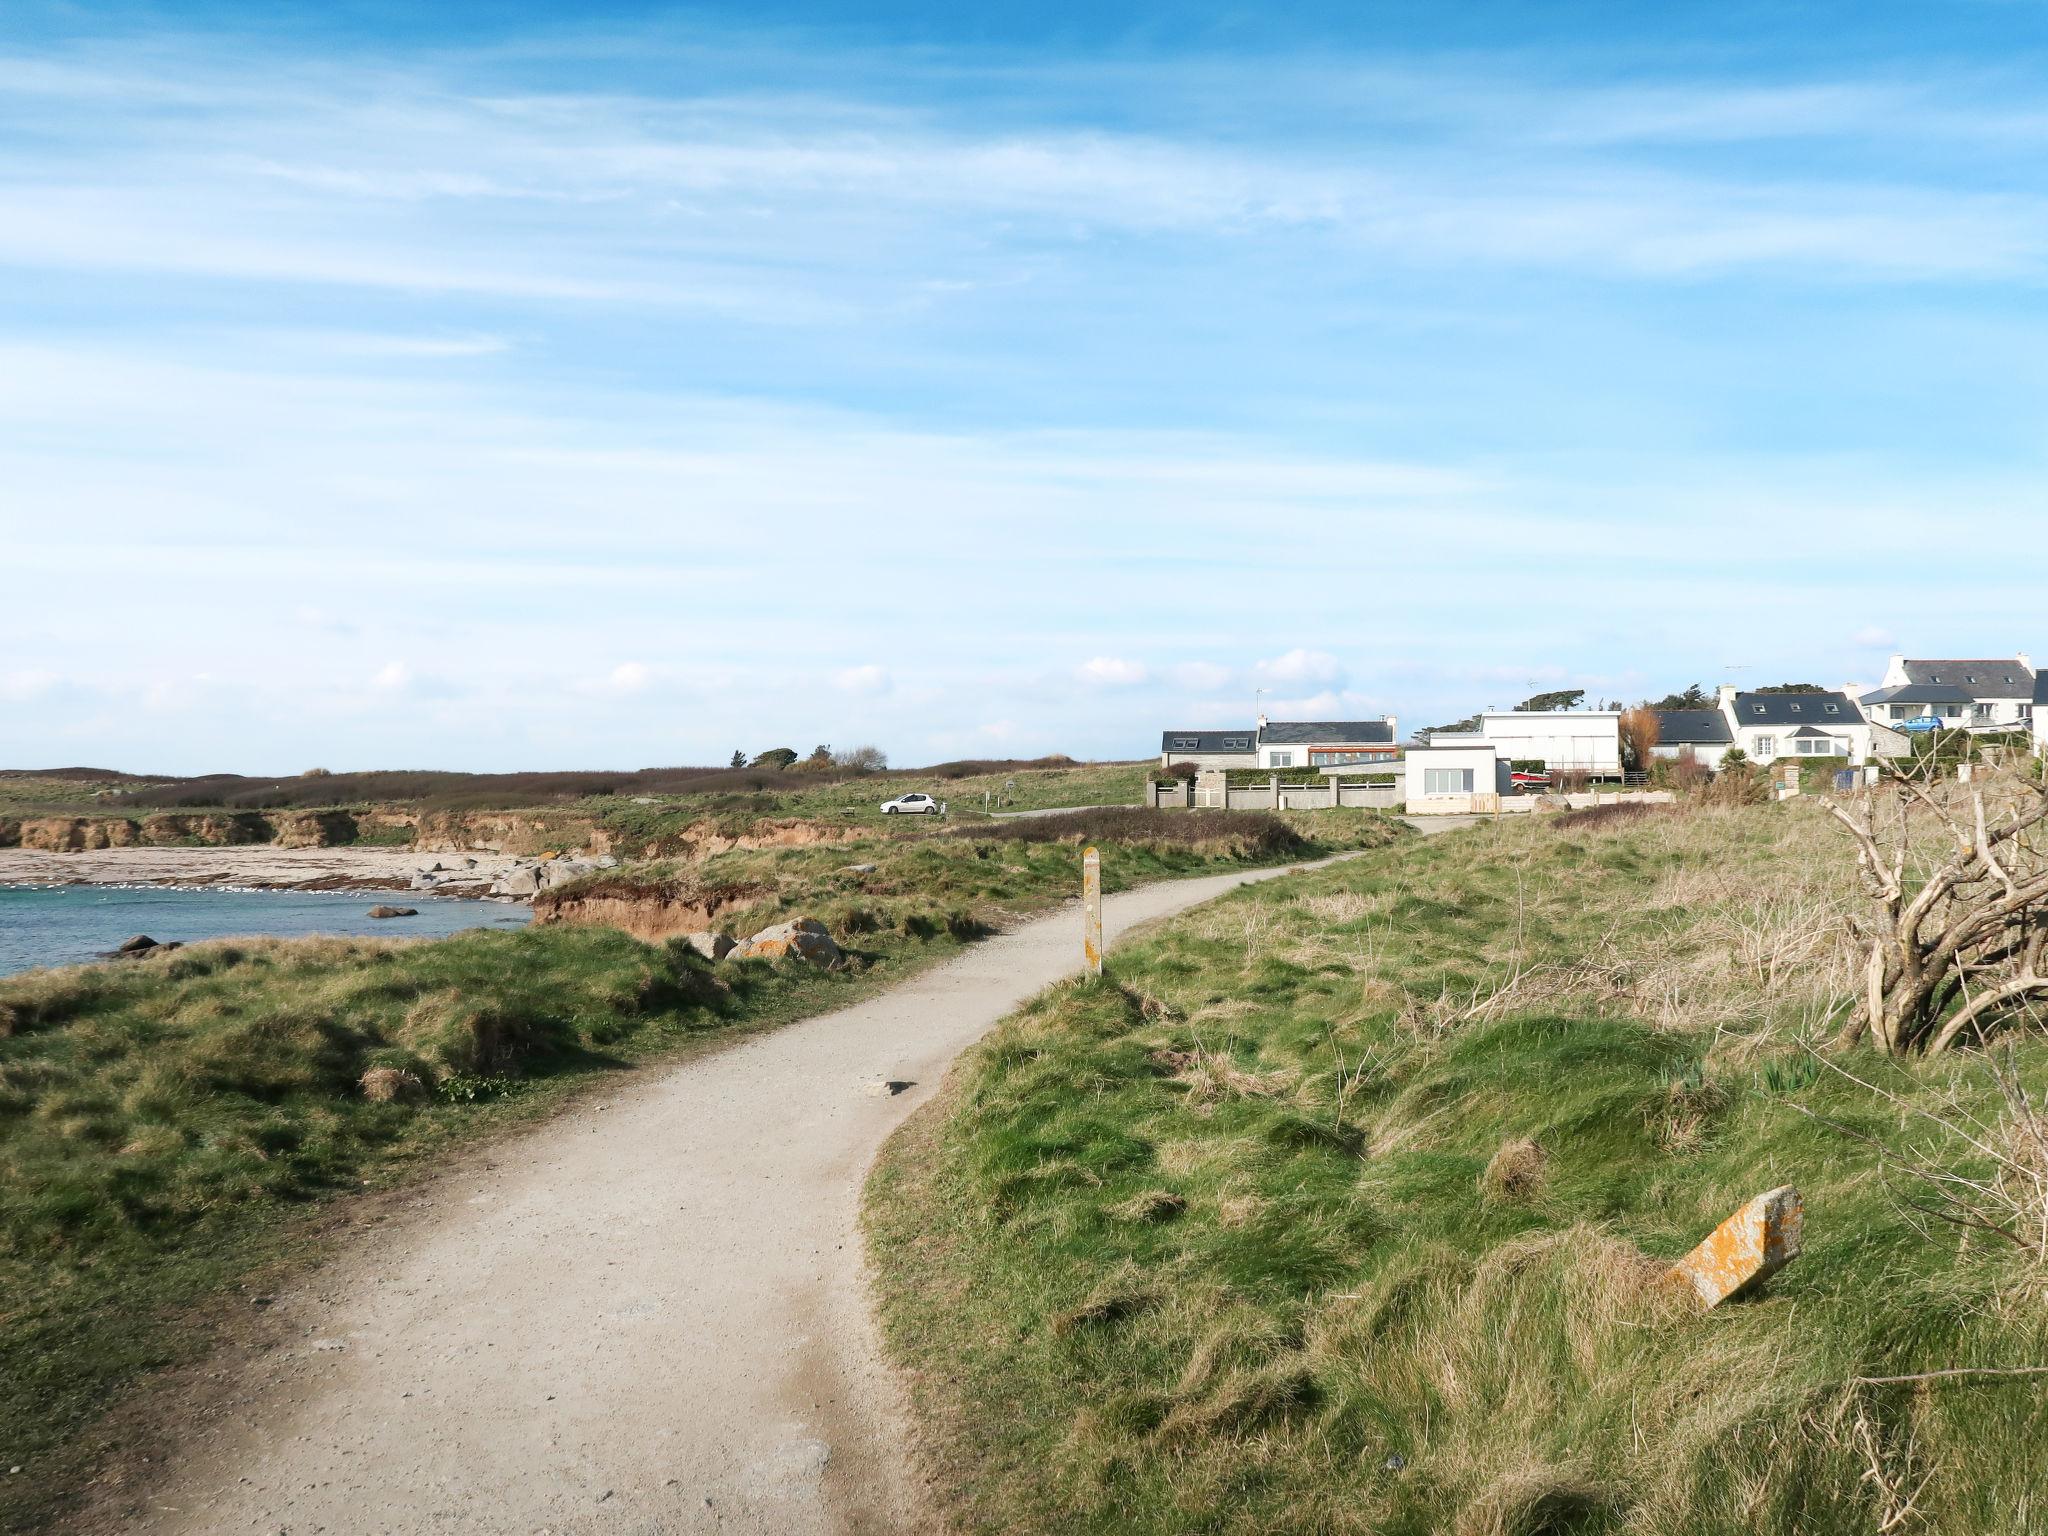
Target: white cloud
(1874, 637)
(629, 677)
(866, 679)
(1112, 672)
(20, 687)
(1200, 676)
(393, 677)
(1301, 666)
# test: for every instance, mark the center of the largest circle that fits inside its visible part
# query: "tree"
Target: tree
(1694, 697)
(776, 757)
(1547, 703)
(739, 759)
(1639, 733)
(1469, 723)
(820, 760)
(1791, 688)
(863, 759)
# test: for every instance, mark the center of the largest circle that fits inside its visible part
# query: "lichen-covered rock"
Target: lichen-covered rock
(804, 937)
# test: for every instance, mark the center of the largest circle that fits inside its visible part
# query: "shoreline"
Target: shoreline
(261, 867)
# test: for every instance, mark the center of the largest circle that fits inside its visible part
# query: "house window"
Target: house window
(2026, 712)
(1756, 709)
(1766, 746)
(1237, 743)
(1338, 757)
(1186, 743)
(1282, 760)
(1827, 747)
(1447, 781)
(1834, 709)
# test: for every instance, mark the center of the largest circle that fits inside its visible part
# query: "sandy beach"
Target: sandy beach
(258, 866)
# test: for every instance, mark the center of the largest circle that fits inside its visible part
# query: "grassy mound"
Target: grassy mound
(1339, 1207)
(923, 882)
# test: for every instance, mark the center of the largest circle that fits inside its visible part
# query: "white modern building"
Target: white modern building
(1454, 777)
(1588, 740)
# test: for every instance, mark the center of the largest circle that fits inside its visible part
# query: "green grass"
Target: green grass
(926, 878)
(1337, 1207)
(169, 1127)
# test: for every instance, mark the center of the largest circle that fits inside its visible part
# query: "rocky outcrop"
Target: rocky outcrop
(707, 839)
(312, 829)
(69, 834)
(526, 832)
(652, 910)
(209, 829)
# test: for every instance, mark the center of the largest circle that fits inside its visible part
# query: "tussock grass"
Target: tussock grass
(1429, 1125)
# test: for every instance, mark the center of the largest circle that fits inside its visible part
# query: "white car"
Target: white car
(913, 804)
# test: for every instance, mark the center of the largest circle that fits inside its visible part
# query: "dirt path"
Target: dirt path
(647, 1316)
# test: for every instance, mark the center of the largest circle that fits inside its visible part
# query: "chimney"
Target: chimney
(2024, 660)
(1262, 722)
(1727, 697)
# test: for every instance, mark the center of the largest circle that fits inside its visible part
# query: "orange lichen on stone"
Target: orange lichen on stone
(1758, 1240)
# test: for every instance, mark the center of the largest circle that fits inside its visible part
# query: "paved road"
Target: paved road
(646, 1316)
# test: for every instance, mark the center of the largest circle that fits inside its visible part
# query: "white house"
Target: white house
(1327, 744)
(1210, 749)
(1562, 740)
(1983, 696)
(1768, 726)
(1318, 745)
(1704, 734)
(1452, 777)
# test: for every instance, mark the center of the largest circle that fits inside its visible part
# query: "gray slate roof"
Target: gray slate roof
(1328, 732)
(1919, 693)
(2041, 686)
(1831, 708)
(1244, 741)
(1809, 733)
(1692, 728)
(1999, 678)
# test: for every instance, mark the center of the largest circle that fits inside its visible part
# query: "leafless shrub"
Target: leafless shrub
(1958, 878)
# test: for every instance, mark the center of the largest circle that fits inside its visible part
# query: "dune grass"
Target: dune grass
(1339, 1206)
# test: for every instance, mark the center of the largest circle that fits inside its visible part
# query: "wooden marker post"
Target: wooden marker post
(1091, 912)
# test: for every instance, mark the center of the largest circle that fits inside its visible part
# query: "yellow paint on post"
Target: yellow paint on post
(1757, 1241)
(1091, 912)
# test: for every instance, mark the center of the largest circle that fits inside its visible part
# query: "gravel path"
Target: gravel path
(647, 1316)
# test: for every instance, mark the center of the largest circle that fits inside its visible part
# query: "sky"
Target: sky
(512, 387)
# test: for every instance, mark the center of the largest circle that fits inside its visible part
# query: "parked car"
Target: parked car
(916, 803)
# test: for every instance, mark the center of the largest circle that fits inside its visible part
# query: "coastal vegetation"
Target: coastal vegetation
(1342, 1205)
(171, 1126)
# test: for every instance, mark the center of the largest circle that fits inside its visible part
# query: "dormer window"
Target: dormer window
(1757, 708)
(1834, 709)
(1797, 708)
(1934, 677)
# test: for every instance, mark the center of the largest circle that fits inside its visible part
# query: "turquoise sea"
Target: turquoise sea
(64, 924)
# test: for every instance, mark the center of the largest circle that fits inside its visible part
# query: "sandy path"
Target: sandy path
(645, 1317)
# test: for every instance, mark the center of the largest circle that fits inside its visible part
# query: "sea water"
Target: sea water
(65, 924)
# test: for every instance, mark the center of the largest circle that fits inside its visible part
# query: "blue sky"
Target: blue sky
(484, 387)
